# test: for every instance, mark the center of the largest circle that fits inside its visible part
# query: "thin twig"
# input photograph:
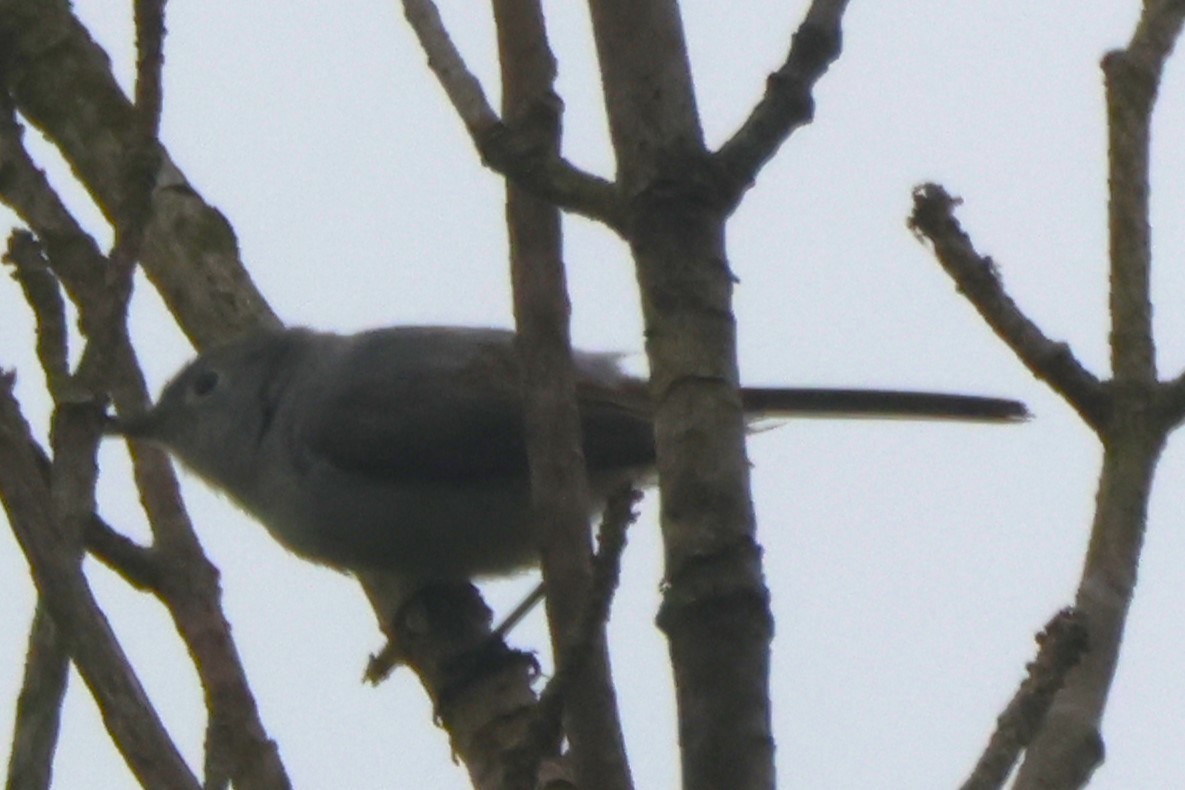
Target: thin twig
(137, 565)
(520, 611)
(978, 280)
(502, 148)
(552, 420)
(31, 270)
(143, 157)
(788, 102)
(444, 59)
(618, 515)
(105, 322)
(140, 567)
(150, 34)
(79, 264)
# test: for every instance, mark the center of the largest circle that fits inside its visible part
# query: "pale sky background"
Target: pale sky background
(910, 564)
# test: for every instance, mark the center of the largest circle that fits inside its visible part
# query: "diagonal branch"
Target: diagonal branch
(1061, 645)
(190, 588)
(503, 148)
(61, 82)
(43, 295)
(787, 103)
(125, 708)
(138, 566)
(616, 519)
(39, 705)
(977, 279)
(460, 84)
(480, 689)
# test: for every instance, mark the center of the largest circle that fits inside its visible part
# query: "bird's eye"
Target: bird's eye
(204, 383)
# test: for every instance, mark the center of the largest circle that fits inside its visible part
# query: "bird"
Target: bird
(403, 449)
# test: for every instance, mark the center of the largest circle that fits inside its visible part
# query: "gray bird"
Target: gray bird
(403, 449)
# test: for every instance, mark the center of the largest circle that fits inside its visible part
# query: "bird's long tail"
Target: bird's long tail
(830, 402)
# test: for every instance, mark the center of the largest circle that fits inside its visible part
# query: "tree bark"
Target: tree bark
(715, 609)
(559, 487)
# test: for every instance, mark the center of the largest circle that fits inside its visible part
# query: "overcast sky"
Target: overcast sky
(910, 564)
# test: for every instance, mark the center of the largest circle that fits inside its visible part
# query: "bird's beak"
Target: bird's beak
(139, 426)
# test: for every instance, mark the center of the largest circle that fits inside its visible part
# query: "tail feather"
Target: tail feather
(828, 402)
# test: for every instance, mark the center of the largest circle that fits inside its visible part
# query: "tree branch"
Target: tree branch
(481, 690)
(60, 80)
(788, 102)
(126, 711)
(189, 586)
(502, 147)
(977, 278)
(68, 501)
(589, 628)
(1069, 748)
(39, 706)
(1061, 644)
(715, 611)
(144, 157)
(559, 486)
(138, 566)
(1132, 79)
(31, 271)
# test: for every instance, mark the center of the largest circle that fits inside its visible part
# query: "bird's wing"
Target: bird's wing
(445, 404)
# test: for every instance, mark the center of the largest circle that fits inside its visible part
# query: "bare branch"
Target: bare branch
(1132, 78)
(237, 745)
(190, 587)
(1062, 643)
(1069, 748)
(150, 34)
(462, 87)
(616, 520)
(40, 287)
(715, 611)
(189, 253)
(80, 267)
(60, 80)
(1132, 83)
(977, 279)
(481, 689)
(126, 711)
(558, 482)
(144, 155)
(537, 168)
(139, 566)
(787, 103)
(39, 706)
